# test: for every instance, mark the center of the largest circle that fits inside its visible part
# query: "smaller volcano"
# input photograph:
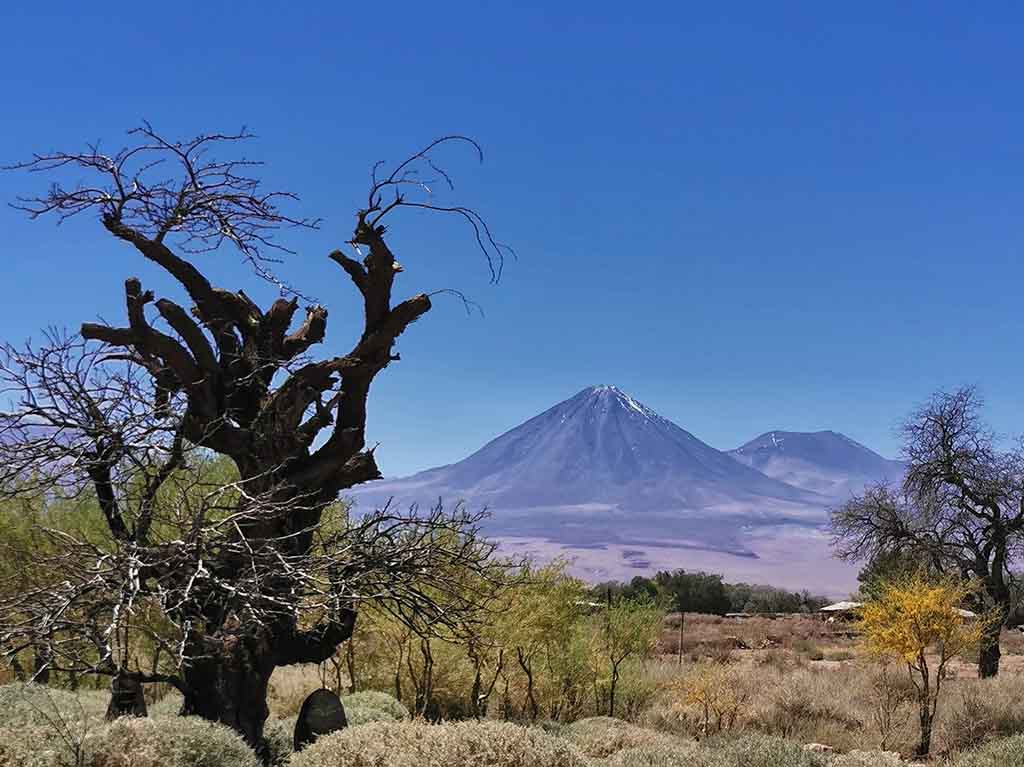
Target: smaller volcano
(825, 462)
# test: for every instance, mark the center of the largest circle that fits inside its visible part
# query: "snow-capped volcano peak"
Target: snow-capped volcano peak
(599, 446)
(614, 395)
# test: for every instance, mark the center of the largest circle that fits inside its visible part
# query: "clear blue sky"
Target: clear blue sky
(772, 216)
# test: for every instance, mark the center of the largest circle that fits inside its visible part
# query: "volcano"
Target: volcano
(824, 462)
(601, 468)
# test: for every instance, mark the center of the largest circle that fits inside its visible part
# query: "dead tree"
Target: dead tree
(234, 577)
(960, 509)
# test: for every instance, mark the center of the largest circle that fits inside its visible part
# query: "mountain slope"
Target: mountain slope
(824, 462)
(601, 467)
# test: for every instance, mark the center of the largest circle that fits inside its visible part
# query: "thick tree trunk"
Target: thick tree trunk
(229, 686)
(989, 655)
(998, 593)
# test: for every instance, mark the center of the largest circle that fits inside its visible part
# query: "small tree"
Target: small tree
(541, 619)
(717, 692)
(627, 629)
(914, 620)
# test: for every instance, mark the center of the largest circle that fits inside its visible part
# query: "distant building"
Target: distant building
(840, 611)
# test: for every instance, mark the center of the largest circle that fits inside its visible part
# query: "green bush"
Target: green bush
(280, 736)
(683, 754)
(1006, 752)
(168, 705)
(171, 742)
(601, 736)
(415, 744)
(32, 704)
(372, 706)
(37, 746)
(759, 751)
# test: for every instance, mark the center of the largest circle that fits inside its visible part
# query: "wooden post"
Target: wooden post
(682, 617)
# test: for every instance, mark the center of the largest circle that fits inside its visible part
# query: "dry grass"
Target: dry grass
(714, 636)
(842, 704)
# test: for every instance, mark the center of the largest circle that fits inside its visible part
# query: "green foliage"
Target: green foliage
(168, 705)
(601, 736)
(700, 592)
(127, 742)
(373, 706)
(885, 567)
(624, 630)
(754, 750)
(280, 737)
(415, 744)
(35, 705)
(679, 754)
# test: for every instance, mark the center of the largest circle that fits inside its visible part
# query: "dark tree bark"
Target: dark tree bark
(41, 662)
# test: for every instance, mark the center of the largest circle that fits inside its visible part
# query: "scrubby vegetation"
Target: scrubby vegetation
(760, 708)
(415, 743)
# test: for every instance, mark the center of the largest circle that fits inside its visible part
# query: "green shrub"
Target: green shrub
(753, 750)
(682, 754)
(168, 705)
(32, 704)
(1006, 752)
(372, 706)
(171, 742)
(601, 736)
(415, 744)
(37, 746)
(280, 736)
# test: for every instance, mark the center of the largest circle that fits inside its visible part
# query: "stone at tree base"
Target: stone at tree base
(321, 713)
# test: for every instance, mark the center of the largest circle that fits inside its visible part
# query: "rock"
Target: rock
(126, 698)
(321, 713)
(858, 758)
(818, 748)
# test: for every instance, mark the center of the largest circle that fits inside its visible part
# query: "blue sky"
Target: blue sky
(769, 216)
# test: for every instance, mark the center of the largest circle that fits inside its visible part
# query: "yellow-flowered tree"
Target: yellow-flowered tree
(920, 622)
